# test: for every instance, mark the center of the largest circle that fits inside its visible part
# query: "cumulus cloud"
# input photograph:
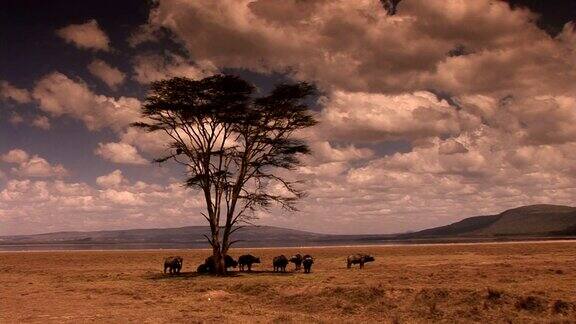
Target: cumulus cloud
(108, 74)
(59, 95)
(111, 180)
(15, 118)
(325, 151)
(356, 46)
(378, 117)
(119, 153)
(532, 120)
(39, 167)
(41, 122)
(154, 143)
(15, 156)
(85, 36)
(424, 188)
(121, 197)
(10, 92)
(35, 166)
(127, 205)
(324, 170)
(144, 34)
(153, 67)
(452, 147)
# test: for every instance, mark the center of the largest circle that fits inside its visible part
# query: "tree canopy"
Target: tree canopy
(231, 142)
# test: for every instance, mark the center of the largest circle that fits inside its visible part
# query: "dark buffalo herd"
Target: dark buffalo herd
(245, 262)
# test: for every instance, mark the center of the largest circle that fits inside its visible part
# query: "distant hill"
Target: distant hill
(190, 236)
(528, 222)
(534, 220)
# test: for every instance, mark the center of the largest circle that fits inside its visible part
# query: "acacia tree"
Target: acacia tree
(231, 144)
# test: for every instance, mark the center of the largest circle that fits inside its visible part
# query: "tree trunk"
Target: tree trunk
(219, 263)
(219, 259)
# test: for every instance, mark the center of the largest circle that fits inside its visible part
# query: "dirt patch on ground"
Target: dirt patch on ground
(217, 294)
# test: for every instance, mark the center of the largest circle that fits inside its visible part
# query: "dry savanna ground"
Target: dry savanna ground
(487, 283)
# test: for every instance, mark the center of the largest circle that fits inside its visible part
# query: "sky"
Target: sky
(445, 110)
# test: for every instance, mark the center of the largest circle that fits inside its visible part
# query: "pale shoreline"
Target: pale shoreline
(297, 247)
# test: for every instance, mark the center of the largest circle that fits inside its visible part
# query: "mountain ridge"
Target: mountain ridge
(522, 222)
(531, 220)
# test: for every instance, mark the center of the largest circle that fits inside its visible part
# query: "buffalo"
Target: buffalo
(247, 260)
(358, 259)
(307, 261)
(209, 264)
(203, 268)
(297, 260)
(173, 264)
(280, 262)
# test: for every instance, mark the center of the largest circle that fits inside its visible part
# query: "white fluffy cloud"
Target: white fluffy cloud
(452, 147)
(119, 153)
(59, 95)
(153, 67)
(41, 122)
(10, 92)
(121, 197)
(85, 36)
(535, 120)
(426, 187)
(15, 156)
(39, 167)
(35, 166)
(108, 74)
(56, 205)
(324, 151)
(378, 117)
(111, 180)
(154, 143)
(143, 34)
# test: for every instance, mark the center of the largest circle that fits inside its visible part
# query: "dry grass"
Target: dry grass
(496, 283)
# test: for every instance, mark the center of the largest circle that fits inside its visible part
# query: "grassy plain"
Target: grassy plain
(485, 283)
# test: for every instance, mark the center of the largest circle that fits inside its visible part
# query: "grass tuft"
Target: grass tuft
(532, 304)
(494, 295)
(562, 307)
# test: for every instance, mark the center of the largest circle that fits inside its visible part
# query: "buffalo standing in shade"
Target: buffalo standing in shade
(173, 264)
(210, 266)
